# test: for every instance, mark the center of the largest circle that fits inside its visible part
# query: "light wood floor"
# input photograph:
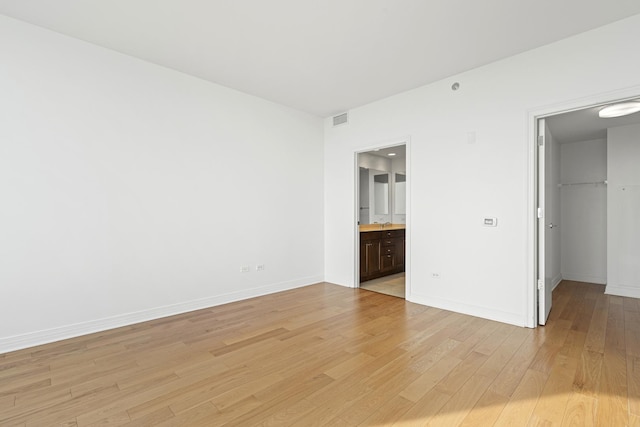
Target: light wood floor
(328, 355)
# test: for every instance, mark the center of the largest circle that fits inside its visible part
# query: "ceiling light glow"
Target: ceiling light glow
(391, 154)
(619, 110)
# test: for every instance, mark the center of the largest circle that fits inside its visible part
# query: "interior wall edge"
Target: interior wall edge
(32, 339)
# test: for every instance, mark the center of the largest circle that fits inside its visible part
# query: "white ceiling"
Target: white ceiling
(399, 150)
(323, 57)
(585, 125)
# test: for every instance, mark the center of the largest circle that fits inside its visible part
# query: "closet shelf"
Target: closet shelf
(583, 183)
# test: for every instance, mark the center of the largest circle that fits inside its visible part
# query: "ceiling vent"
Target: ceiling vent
(340, 119)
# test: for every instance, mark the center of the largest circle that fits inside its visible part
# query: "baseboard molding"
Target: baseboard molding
(556, 281)
(471, 310)
(32, 339)
(622, 291)
(598, 280)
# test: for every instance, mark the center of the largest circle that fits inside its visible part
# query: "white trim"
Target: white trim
(598, 280)
(556, 281)
(391, 142)
(408, 221)
(533, 115)
(471, 310)
(46, 336)
(531, 286)
(356, 221)
(622, 291)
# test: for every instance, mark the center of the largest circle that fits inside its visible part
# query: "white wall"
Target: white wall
(130, 191)
(484, 271)
(584, 211)
(623, 156)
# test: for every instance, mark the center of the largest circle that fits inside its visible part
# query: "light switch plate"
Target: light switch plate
(490, 222)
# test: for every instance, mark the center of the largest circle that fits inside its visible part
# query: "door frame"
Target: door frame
(533, 115)
(406, 141)
(543, 295)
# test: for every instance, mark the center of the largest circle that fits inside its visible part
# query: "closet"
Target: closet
(593, 193)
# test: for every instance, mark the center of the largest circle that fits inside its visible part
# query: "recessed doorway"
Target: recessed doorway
(381, 240)
(587, 202)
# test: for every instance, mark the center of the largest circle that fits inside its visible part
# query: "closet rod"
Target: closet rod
(605, 182)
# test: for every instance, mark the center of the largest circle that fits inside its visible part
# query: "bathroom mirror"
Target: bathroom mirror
(381, 193)
(375, 196)
(377, 175)
(400, 199)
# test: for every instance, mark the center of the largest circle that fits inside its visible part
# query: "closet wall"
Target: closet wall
(583, 211)
(624, 211)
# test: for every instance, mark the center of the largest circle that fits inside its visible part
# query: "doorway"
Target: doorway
(381, 220)
(575, 222)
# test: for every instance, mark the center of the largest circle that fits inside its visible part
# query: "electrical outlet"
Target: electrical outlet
(244, 269)
(260, 267)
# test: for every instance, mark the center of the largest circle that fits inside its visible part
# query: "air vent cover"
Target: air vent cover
(340, 119)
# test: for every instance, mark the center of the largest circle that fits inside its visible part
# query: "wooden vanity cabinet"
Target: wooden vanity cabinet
(388, 254)
(381, 253)
(370, 247)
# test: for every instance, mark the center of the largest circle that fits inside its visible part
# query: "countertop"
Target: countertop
(377, 227)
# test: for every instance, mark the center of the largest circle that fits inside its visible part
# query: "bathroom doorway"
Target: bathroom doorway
(382, 220)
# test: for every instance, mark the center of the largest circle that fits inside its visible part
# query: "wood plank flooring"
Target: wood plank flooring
(329, 355)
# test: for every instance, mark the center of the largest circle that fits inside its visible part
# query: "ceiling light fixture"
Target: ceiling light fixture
(619, 110)
(391, 154)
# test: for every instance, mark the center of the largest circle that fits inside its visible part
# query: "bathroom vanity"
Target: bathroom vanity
(382, 250)
(382, 215)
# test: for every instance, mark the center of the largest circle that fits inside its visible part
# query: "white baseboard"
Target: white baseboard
(622, 291)
(599, 280)
(556, 281)
(472, 310)
(32, 339)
